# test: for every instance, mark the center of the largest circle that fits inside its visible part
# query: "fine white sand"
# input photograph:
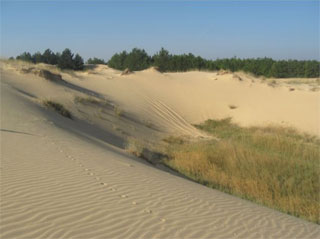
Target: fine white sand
(63, 178)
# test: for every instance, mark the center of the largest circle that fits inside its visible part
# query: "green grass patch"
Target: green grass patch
(274, 166)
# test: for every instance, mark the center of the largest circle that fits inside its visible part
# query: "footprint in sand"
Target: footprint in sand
(104, 184)
(148, 211)
(134, 203)
(70, 157)
(124, 196)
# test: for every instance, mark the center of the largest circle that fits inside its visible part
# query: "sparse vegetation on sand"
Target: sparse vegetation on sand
(86, 100)
(118, 111)
(59, 108)
(274, 166)
(134, 147)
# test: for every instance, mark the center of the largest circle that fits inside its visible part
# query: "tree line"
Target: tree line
(64, 60)
(138, 59)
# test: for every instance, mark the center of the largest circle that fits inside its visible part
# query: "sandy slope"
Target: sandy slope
(64, 178)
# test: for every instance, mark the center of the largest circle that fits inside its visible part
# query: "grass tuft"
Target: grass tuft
(118, 111)
(59, 108)
(86, 100)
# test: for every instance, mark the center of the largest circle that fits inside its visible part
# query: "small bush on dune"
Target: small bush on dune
(59, 108)
(274, 166)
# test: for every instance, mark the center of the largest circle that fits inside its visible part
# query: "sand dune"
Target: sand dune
(63, 178)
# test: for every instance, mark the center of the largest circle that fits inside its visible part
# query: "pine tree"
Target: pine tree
(162, 60)
(137, 60)
(95, 61)
(37, 57)
(49, 57)
(78, 62)
(66, 60)
(26, 56)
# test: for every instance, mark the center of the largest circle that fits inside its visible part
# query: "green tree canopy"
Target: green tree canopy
(49, 57)
(66, 60)
(37, 57)
(78, 62)
(26, 56)
(137, 60)
(95, 61)
(117, 60)
(162, 60)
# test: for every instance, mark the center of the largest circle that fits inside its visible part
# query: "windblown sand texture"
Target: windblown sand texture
(63, 178)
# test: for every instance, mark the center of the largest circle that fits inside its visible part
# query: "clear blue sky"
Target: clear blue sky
(211, 29)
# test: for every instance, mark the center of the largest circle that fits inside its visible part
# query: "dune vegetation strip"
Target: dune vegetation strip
(277, 167)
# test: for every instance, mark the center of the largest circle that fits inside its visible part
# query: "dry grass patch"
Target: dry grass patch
(87, 100)
(118, 111)
(59, 108)
(134, 147)
(90, 100)
(277, 167)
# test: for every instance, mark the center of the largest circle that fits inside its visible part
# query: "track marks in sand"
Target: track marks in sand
(72, 189)
(55, 198)
(170, 119)
(110, 188)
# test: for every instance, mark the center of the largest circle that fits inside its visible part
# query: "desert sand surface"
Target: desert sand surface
(63, 178)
